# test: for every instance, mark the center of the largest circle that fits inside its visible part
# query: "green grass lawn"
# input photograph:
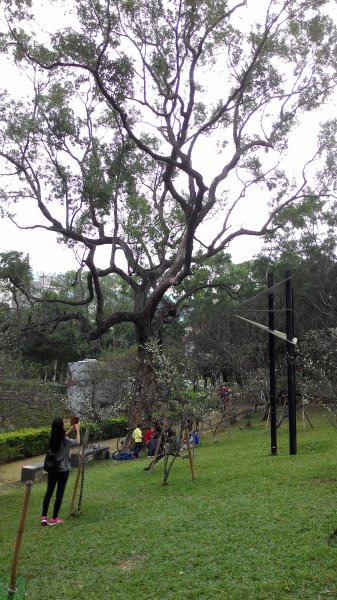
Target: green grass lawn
(251, 526)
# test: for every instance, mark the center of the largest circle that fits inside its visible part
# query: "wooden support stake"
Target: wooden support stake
(193, 433)
(189, 452)
(228, 426)
(79, 471)
(156, 453)
(82, 476)
(78, 474)
(18, 541)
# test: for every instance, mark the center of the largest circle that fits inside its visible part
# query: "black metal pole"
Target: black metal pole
(290, 363)
(272, 378)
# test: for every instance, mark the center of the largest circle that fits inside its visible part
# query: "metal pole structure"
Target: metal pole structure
(272, 378)
(290, 363)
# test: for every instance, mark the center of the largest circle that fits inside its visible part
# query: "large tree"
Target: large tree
(127, 100)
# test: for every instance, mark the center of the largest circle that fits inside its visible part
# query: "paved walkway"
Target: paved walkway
(11, 472)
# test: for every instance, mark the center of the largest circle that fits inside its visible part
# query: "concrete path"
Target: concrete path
(11, 472)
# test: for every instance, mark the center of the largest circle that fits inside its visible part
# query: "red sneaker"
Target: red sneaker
(44, 521)
(56, 521)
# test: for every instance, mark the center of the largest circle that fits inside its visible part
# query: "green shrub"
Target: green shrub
(114, 427)
(23, 443)
(93, 430)
(34, 441)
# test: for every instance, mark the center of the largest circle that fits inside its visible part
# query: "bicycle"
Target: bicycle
(124, 440)
(121, 442)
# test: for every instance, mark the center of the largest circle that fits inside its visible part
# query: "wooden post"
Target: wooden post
(156, 453)
(78, 474)
(189, 452)
(193, 433)
(79, 471)
(79, 505)
(19, 534)
(228, 425)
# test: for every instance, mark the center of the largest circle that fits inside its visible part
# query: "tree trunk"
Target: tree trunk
(145, 391)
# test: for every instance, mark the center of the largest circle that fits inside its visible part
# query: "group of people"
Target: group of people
(155, 439)
(161, 441)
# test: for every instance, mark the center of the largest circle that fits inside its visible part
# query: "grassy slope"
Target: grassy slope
(251, 526)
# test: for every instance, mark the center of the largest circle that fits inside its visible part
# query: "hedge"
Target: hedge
(23, 443)
(33, 441)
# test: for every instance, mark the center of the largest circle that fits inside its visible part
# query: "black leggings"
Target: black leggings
(136, 449)
(60, 478)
